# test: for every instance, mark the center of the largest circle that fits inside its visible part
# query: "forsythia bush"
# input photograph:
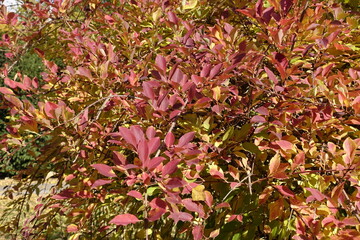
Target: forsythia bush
(192, 119)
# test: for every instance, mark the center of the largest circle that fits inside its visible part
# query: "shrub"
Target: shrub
(189, 119)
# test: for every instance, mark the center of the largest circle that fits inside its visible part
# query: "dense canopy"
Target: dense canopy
(192, 119)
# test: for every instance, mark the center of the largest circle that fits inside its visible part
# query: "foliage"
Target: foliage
(188, 119)
(29, 64)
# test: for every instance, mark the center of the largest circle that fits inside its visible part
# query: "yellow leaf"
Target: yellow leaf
(216, 93)
(156, 15)
(274, 163)
(197, 193)
(189, 4)
(206, 124)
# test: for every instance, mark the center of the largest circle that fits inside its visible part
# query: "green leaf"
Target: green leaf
(151, 191)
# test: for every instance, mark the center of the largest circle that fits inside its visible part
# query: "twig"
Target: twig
(236, 186)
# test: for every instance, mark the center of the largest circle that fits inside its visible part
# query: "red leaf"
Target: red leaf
(84, 72)
(160, 63)
(172, 17)
(155, 214)
(148, 90)
(138, 133)
(215, 70)
(124, 219)
(259, 7)
(190, 205)
(65, 194)
(174, 183)
(177, 76)
(193, 206)
(223, 205)
(101, 182)
(170, 167)
(205, 70)
(209, 199)
(257, 119)
(197, 232)
(14, 100)
(84, 120)
(185, 139)
(128, 136)
(72, 228)
(169, 139)
(316, 194)
(350, 147)
(154, 144)
(5, 90)
(180, 216)
(118, 158)
(154, 162)
(10, 83)
(50, 109)
(157, 203)
(143, 151)
(158, 208)
(135, 194)
(284, 190)
(298, 160)
(350, 221)
(285, 6)
(271, 75)
(150, 132)
(285, 145)
(104, 169)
